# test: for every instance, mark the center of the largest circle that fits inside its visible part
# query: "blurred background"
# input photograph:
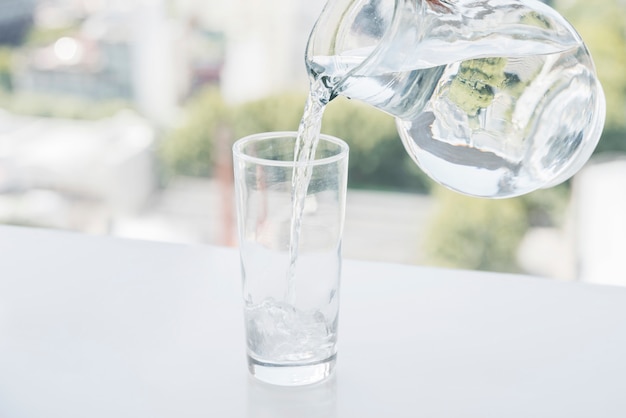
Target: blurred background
(117, 118)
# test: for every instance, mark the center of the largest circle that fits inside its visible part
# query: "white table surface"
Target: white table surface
(102, 327)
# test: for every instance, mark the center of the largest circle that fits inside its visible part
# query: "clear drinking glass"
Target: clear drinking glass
(291, 295)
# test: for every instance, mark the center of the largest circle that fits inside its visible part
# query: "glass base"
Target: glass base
(292, 375)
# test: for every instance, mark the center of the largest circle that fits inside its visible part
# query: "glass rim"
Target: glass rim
(239, 145)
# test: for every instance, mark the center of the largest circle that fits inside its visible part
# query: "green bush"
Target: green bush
(547, 207)
(57, 106)
(6, 78)
(188, 149)
(276, 113)
(377, 157)
(39, 36)
(602, 25)
(483, 234)
(475, 234)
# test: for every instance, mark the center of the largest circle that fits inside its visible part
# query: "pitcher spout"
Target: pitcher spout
(345, 35)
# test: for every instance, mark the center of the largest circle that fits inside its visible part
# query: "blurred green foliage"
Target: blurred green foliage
(40, 36)
(471, 90)
(6, 78)
(473, 233)
(280, 112)
(378, 159)
(483, 234)
(188, 149)
(56, 106)
(602, 25)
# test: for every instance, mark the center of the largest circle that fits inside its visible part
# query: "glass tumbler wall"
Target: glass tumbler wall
(291, 294)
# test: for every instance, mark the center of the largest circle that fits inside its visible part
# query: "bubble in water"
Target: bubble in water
(278, 331)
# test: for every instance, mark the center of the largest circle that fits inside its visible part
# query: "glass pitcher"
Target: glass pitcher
(492, 98)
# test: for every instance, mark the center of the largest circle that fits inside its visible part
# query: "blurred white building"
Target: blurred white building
(154, 53)
(106, 164)
(266, 41)
(599, 202)
(131, 51)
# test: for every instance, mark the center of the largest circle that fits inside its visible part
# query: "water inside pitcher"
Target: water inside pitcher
(492, 98)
